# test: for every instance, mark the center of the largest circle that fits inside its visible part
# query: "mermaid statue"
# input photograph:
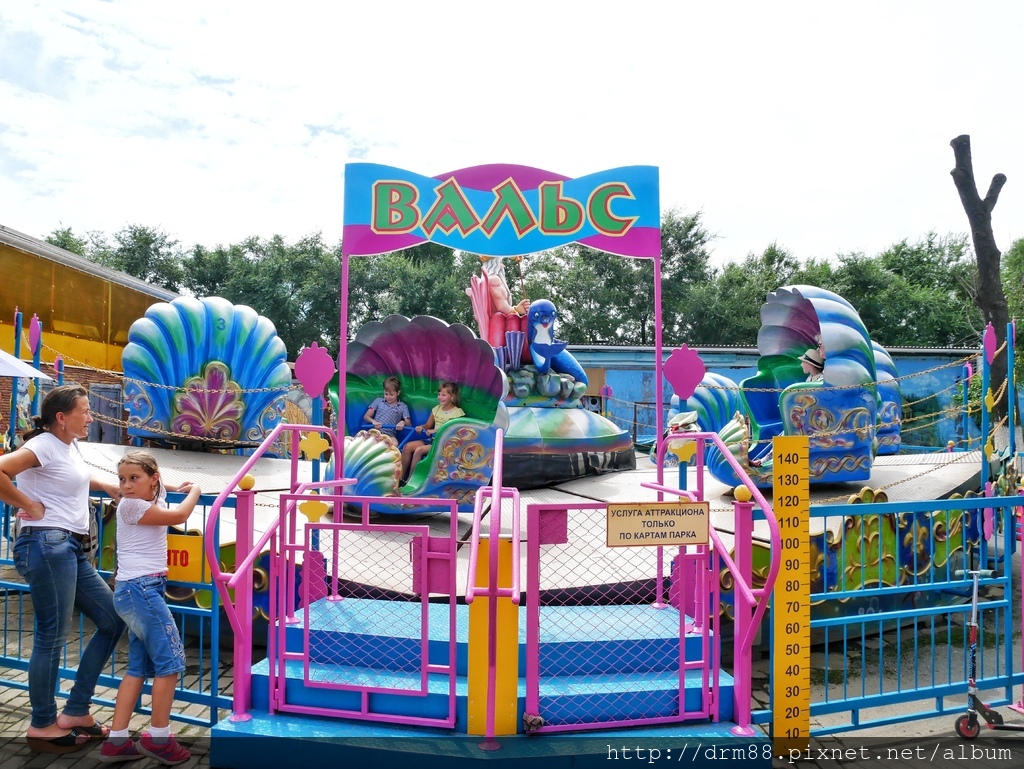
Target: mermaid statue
(550, 438)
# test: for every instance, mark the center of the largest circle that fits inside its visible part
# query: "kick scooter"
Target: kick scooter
(967, 725)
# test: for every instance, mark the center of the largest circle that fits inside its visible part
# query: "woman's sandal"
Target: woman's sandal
(93, 731)
(67, 743)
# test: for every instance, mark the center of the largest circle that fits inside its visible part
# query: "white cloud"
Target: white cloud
(822, 127)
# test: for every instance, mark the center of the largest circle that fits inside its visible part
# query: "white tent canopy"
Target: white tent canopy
(14, 367)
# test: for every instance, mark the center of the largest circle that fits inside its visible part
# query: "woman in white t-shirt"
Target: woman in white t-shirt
(154, 644)
(52, 498)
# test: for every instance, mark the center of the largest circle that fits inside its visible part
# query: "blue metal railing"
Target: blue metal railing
(889, 614)
(198, 619)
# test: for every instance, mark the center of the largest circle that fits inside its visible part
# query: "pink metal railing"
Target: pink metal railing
(690, 566)
(424, 549)
(495, 493)
(238, 609)
(754, 600)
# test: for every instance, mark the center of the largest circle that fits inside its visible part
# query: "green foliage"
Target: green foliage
(607, 299)
(295, 286)
(66, 239)
(913, 295)
(910, 295)
(727, 310)
(685, 266)
(595, 293)
(1013, 287)
(148, 253)
(428, 279)
(431, 285)
(1013, 278)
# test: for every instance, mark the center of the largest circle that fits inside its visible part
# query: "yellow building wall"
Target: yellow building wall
(85, 318)
(595, 380)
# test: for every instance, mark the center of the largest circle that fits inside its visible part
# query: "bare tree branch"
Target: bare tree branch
(989, 295)
(993, 191)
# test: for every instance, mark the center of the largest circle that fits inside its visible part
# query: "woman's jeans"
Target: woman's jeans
(61, 579)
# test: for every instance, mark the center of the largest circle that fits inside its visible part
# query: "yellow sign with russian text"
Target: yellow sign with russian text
(668, 524)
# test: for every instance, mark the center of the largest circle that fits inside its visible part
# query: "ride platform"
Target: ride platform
(263, 740)
(903, 477)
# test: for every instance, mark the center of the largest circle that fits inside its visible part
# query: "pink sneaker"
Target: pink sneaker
(115, 754)
(168, 753)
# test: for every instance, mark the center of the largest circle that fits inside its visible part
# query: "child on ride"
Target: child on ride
(447, 408)
(154, 645)
(389, 414)
(813, 365)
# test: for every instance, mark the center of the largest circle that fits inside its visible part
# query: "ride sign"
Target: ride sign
(658, 523)
(501, 210)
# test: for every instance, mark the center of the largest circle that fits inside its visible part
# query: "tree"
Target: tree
(1013, 282)
(988, 291)
(911, 295)
(294, 286)
(728, 313)
(207, 271)
(728, 308)
(596, 294)
(428, 279)
(1012, 277)
(66, 239)
(603, 298)
(685, 266)
(147, 253)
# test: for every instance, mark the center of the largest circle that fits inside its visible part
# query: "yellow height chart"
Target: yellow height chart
(791, 608)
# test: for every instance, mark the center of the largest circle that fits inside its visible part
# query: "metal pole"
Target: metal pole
(12, 428)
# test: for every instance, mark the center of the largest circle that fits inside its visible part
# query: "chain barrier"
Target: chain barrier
(959, 457)
(973, 407)
(122, 378)
(935, 416)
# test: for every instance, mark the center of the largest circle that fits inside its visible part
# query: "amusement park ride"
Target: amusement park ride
(481, 609)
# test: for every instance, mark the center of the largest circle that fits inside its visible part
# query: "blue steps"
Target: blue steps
(386, 634)
(597, 663)
(605, 697)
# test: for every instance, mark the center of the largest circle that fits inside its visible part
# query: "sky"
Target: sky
(823, 127)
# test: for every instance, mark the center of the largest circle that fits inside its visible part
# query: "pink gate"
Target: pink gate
(364, 640)
(607, 639)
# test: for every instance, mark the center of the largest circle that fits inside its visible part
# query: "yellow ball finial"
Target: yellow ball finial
(247, 482)
(741, 494)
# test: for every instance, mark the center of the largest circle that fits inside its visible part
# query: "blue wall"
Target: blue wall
(629, 371)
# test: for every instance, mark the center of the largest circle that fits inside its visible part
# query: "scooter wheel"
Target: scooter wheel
(966, 729)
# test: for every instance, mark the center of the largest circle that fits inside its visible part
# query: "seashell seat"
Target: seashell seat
(840, 414)
(421, 352)
(205, 372)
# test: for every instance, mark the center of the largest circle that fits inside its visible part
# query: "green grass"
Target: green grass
(835, 677)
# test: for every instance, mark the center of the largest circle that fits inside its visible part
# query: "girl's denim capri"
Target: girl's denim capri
(154, 644)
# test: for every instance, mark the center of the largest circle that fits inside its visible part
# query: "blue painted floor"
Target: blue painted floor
(267, 742)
